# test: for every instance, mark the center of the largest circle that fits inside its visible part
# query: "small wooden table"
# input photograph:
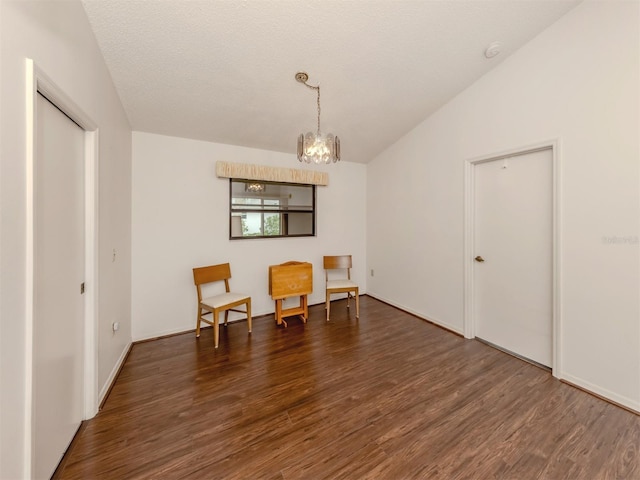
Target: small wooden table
(291, 279)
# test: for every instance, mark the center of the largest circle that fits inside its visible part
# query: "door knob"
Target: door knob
(479, 259)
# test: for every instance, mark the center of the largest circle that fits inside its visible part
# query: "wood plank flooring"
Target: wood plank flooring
(387, 396)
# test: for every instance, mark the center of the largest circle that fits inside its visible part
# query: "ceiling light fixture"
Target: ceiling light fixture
(314, 147)
(254, 187)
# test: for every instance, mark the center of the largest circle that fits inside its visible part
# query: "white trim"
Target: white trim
(630, 403)
(435, 321)
(114, 372)
(469, 321)
(556, 367)
(38, 81)
(145, 336)
(31, 95)
(91, 402)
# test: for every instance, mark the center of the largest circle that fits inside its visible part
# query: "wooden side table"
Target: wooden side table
(291, 279)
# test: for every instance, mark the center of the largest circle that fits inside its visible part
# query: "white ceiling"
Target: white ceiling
(223, 70)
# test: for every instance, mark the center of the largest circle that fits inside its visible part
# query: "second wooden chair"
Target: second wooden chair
(343, 285)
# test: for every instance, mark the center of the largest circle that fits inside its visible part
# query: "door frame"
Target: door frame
(469, 314)
(38, 82)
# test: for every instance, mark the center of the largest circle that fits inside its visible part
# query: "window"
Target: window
(271, 209)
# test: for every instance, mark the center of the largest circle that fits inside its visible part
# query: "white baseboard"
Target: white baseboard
(435, 321)
(631, 404)
(601, 392)
(164, 333)
(114, 372)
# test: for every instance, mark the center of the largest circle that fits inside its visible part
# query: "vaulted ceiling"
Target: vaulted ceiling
(223, 70)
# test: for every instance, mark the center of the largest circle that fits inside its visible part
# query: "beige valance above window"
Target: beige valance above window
(270, 174)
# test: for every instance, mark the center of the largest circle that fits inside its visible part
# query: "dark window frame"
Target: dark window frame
(283, 212)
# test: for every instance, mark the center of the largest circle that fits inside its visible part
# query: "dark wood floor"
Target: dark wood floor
(385, 397)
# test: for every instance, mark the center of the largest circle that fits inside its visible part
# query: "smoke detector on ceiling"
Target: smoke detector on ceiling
(493, 49)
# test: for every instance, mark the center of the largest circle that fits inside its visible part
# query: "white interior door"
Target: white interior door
(58, 328)
(513, 230)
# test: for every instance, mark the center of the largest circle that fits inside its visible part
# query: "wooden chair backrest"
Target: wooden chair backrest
(212, 273)
(332, 262)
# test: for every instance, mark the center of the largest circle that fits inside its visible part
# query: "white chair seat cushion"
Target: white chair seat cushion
(223, 299)
(341, 284)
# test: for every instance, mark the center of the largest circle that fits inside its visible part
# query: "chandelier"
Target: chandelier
(315, 147)
(254, 187)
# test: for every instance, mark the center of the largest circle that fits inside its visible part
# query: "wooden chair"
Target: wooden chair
(224, 302)
(345, 285)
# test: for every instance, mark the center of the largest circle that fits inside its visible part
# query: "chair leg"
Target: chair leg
(216, 330)
(226, 317)
(305, 308)
(328, 304)
(348, 298)
(249, 315)
(198, 322)
(357, 304)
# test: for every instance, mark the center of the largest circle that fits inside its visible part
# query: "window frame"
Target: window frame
(263, 211)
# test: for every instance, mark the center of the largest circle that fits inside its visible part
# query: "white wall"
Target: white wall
(578, 81)
(181, 218)
(56, 35)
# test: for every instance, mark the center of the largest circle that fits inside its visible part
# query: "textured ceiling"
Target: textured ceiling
(223, 70)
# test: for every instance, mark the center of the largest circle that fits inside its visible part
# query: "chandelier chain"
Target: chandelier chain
(317, 89)
(318, 110)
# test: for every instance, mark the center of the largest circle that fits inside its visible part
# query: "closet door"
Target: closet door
(58, 329)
